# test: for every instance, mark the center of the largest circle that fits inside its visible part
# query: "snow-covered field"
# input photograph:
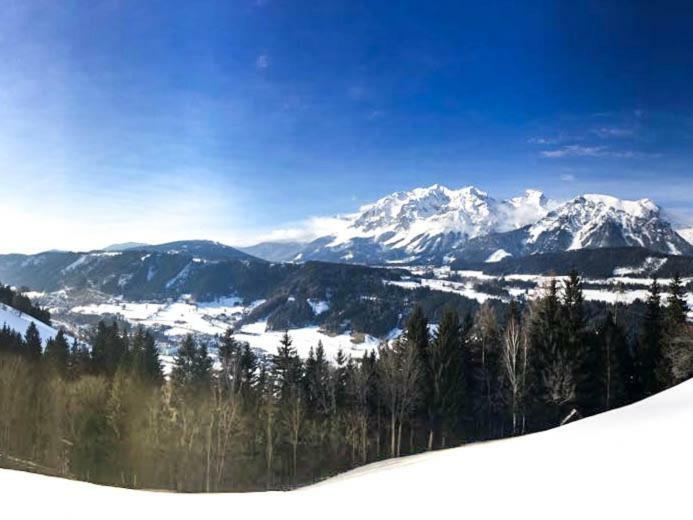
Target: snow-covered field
(630, 463)
(305, 338)
(18, 321)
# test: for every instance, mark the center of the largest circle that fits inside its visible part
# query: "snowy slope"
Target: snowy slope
(629, 463)
(19, 322)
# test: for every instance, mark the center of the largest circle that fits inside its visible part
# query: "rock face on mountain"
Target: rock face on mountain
(436, 225)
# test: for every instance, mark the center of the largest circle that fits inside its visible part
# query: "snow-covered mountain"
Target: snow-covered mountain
(585, 222)
(627, 463)
(424, 225)
(435, 225)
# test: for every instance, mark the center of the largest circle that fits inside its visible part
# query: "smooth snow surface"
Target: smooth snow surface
(257, 336)
(18, 321)
(630, 463)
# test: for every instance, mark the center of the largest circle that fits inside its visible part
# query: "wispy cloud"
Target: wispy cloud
(303, 231)
(575, 150)
(568, 177)
(542, 140)
(262, 62)
(607, 132)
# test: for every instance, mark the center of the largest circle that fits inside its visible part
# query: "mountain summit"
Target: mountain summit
(585, 222)
(436, 224)
(424, 225)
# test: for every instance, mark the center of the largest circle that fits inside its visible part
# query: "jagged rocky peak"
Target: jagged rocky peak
(401, 209)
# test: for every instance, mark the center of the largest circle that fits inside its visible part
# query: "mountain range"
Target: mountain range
(438, 225)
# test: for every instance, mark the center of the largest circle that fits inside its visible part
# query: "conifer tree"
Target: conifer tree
(58, 352)
(32, 343)
(612, 363)
(109, 348)
(145, 362)
(677, 341)
(445, 369)
(417, 336)
(677, 308)
(79, 361)
(317, 380)
(286, 368)
(230, 360)
(581, 351)
(553, 389)
(485, 393)
(192, 369)
(651, 363)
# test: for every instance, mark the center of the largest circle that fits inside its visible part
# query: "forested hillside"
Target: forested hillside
(108, 414)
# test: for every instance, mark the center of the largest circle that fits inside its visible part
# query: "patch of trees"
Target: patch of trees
(244, 422)
(23, 303)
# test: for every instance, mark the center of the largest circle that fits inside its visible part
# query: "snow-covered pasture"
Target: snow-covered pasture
(628, 463)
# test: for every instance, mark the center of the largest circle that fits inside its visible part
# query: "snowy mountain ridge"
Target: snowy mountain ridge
(424, 224)
(437, 224)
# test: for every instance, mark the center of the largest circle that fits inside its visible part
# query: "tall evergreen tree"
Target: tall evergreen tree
(192, 368)
(446, 377)
(651, 362)
(677, 307)
(109, 348)
(58, 352)
(581, 350)
(145, 362)
(612, 363)
(553, 387)
(32, 343)
(417, 336)
(317, 375)
(286, 368)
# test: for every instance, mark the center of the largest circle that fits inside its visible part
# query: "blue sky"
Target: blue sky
(161, 120)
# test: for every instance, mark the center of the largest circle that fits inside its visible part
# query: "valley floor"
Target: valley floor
(629, 463)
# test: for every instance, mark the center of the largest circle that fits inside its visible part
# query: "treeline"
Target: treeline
(245, 422)
(23, 303)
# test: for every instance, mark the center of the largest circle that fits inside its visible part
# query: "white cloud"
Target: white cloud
(614, 132)
(262, 61)
(575, 150)
(542, 140)
(302, 231)
(568, 177)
